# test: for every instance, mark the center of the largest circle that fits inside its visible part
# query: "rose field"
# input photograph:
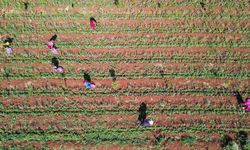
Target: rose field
(183, 58)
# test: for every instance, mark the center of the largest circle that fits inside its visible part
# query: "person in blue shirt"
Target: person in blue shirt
(87, 81)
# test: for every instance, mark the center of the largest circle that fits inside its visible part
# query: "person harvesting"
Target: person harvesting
(92, 23)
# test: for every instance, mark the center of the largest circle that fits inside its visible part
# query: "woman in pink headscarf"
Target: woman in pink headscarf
(51, 44)
(246, 105)
(52, 41)
(92, 23)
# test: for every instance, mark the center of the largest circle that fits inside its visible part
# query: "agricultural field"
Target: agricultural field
(183, 58)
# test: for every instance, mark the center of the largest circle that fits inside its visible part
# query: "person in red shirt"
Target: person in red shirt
(92, 23)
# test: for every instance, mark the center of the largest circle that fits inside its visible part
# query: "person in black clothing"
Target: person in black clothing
(116, 2)
(56, 67)
(7, 42)
(238, 97)
(242, 138)
(26, 5)
(53, 38)
(142, 113)
(245, 104)
(203, 5)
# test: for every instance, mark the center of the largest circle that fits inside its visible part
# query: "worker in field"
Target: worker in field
(143, 115)
(245, 104)
(52, 41)
(203, 5)
(242, 138)
(115, 84)
(92, 23)
(226, 142)
(26, 5)
(87, 81)
(52, 44)
(7, 45)
(116, 2)
(56, 67)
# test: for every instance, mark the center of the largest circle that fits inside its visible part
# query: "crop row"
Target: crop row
(135, 40)
(193, 74)
(127, 3)
(127, 70)
(140, 11)
(112, 13)
(131, 85)
(77, 123)
(209, 3)
(24, 58)
(145, 52)
(131, 55)
(103, 68)
(19, 111)
(128, 26)
(115, 131)
(137, 43)
(161, 119)
(42, 103)
(71, 28)
(160, 37)
(118, 135)
(43, 91)
(164, 142)
(118, 104)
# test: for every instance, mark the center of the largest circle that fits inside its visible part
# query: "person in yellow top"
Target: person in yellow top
(115, 84)
(4, 44)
